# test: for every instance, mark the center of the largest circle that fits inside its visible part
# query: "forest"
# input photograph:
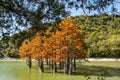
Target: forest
(101, 36)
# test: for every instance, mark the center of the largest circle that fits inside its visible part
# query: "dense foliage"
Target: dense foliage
(101, 34)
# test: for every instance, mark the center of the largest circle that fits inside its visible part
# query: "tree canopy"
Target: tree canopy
(20, 14)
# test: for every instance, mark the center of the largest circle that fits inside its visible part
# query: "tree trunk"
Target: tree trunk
(70, 66)
(40, 64)
(54, 67)
(52, 64)
(74, 64)
(47, 61)
(29, 61)
(66, 66)
(61, 65)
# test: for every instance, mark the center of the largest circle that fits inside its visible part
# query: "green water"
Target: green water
(17, 70)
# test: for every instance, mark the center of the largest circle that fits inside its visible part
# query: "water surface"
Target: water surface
(17, 70)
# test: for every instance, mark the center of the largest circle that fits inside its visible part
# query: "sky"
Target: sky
(75, 12)
(78, 12)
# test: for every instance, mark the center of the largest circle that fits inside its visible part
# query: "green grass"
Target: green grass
(14, 70)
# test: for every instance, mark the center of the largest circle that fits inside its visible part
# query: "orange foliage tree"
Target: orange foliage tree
(66, 44)
(38, 50)
(25, 52)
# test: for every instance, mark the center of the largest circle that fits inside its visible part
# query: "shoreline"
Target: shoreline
(11, 59)
(103, 59)
(89, 59)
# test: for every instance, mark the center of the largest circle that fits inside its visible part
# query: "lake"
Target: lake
(17, 70)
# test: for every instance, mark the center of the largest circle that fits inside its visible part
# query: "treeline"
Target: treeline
(102, 36)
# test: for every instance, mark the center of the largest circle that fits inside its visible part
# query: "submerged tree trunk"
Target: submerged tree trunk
(49, 64)
(52, 64)
(54, 67)
(74, 64)
(40, 64)
(66, 65)
(29, 61)
(70, 66)
(61, 65)
(47, 61)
